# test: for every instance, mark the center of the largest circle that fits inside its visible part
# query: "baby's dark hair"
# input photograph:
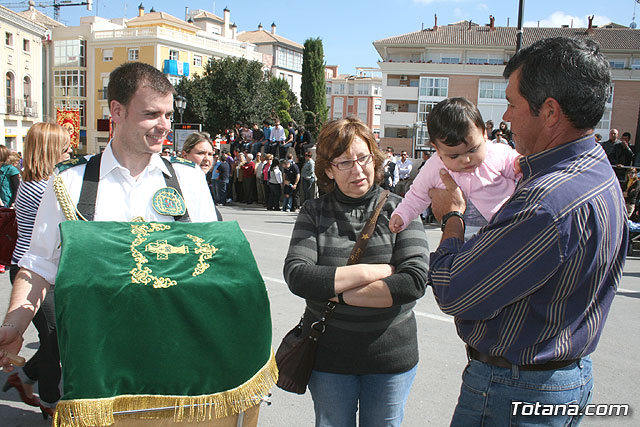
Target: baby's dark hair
(450, 120)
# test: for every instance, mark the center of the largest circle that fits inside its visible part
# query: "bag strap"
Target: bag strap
(367, 231)
(91, 178)
(318, 328)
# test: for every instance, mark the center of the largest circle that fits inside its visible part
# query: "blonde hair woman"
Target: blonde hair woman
(45, 145)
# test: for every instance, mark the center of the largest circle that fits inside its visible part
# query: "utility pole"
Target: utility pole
(519, 33)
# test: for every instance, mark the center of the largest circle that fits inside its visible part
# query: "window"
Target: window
(288, 58)
(25, 45)
(424, 108)
(432, 86)
(69, 53)
(8, 39)
(290, 80)
(10, 93)
(174, 55)
(362, 89)
(605, 121)
(134, 54)
(338, 104)
(492, 89)
(107, 55)
(26, 92)
(616, 63)
(363, 109)
(635, 64)
(338, 89)
(450, 60)
(377, 90)
(175, 80)
(69, 83)
(197, 61)
(328, 89)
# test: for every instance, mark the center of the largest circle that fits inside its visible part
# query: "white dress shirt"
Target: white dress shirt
(277, 134)
(120, 198)
(404, 168)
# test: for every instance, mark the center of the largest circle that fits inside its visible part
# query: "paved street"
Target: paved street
(442, 357)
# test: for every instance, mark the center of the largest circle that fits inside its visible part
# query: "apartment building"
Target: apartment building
(83, 56)
(281, 56)
(424, 67)
(357, 94)
(21, 67)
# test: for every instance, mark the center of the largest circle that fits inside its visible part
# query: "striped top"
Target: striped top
(536, 284)
(26, 205)
(358, 340)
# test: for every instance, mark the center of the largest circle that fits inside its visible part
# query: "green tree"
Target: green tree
(313, 92)
(234, 89)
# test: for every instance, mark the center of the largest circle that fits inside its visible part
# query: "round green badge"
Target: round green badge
(167, 201)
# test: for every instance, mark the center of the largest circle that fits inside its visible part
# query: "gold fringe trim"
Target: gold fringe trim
(100, 412)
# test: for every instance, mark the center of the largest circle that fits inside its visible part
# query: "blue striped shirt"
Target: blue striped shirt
(26, 205)
(536, 283)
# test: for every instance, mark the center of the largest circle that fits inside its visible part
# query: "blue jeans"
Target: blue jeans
(487, 393)
(381, 398)
(220, 192)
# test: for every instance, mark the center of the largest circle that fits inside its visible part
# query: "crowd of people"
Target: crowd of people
(533, 239)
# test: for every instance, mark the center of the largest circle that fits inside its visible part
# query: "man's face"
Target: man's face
(403, 155)
(625, 139)
(142, 126)
(525, 127)
(613, 134)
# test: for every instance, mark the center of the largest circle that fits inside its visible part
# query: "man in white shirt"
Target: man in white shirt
(277, 138)
(130, 172)
(404, 166)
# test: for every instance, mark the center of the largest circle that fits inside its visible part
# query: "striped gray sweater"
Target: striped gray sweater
(358, 340)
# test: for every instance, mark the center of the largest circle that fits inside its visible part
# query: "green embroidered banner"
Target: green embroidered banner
(160, 314)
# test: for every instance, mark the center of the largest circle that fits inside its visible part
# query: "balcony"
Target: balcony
(18, 107)
(216, 45)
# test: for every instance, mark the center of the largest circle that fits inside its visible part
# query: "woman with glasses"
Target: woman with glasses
(367, 358)
(45, 145)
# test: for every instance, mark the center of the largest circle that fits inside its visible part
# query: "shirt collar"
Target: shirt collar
(537, 162)
(109, 162)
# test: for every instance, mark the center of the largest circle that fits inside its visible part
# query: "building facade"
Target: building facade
(83, 56)
(21, 66)
(355, 95)
(281, 56)
(421, 68)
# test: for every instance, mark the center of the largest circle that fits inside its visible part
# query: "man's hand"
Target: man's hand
(395, 224)
(445, 201)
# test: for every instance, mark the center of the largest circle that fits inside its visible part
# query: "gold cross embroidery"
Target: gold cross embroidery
(162, 249)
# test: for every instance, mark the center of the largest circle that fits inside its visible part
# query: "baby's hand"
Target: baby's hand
(516, 166)
(395, 224)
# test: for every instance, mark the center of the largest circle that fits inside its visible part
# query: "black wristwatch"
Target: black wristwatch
(448, 215)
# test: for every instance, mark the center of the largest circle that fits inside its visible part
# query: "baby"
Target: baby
(485, 172)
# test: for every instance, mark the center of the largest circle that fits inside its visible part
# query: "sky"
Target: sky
(348, 28)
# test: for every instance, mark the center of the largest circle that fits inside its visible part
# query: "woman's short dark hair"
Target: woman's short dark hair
(336, 138)
(194, 139)
(574, 72)
(450, 121)
(125, 80)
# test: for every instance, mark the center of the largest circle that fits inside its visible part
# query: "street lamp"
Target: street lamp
(181, 104)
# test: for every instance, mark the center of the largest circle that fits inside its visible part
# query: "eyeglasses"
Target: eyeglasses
(348, 164)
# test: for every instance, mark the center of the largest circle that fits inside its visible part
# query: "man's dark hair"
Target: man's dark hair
(628, 135)
(125, 80)
(574, 72)
(450, 121)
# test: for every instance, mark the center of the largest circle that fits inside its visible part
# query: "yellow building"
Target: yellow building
(84, 55)
(21, 69)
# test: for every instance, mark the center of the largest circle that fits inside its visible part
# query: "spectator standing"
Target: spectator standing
(391, 176)
(222, 180)
(249, 179)
(275, 186)
(622, 152)
(631, 191)
(259, 180)
(609, 145)
(287, 200)
(265, 177)
(308, 177)
(9, 177)
(490, 130)
(292, 173)
(404, 165)
(530, 322)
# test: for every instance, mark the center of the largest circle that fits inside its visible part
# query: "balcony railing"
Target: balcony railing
(19, 107)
